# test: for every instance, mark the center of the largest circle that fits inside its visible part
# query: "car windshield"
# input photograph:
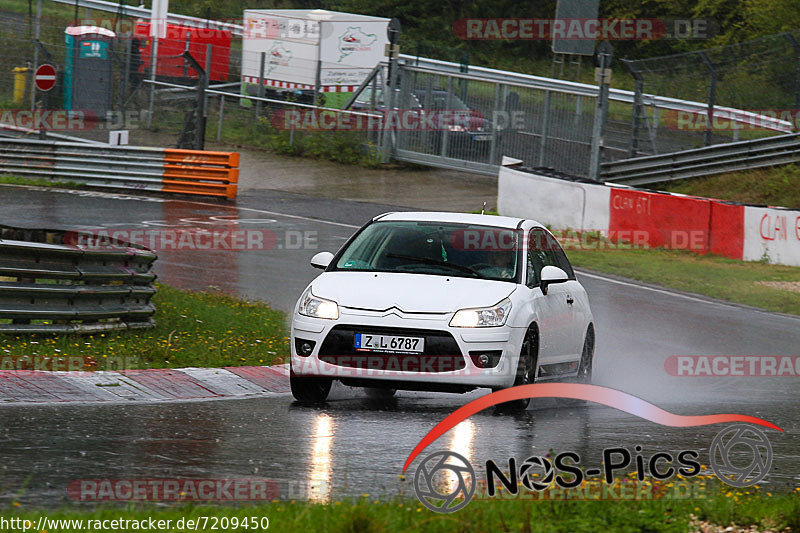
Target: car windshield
(437, 248)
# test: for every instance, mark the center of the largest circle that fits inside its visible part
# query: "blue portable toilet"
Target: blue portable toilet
(88, 69)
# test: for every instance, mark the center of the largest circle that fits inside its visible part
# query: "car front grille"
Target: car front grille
(441, 352)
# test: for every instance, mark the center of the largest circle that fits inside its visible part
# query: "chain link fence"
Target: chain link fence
(760, 75)
(484, 120)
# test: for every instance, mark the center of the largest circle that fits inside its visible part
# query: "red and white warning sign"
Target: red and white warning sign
(45, 77)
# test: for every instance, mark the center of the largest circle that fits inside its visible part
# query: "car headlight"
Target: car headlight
(456, 127)
(482, 317)
(311, 305)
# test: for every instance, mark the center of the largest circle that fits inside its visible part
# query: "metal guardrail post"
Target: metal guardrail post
(260, 85)
(372, 97)
(153, 68)
(449, 107)
(712, 95)
(221, 115)
(638, 107)
(545, 127)
(186, 49)
(203, 114)
(601, 111)
(796, 47)
(495, 132)
(125, 80)
(390, 115)
(36, 34)
(202, 87)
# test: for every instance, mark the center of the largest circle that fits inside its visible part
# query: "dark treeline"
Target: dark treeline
(428, 24)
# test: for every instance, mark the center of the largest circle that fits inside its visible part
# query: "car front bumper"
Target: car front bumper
(446, 359)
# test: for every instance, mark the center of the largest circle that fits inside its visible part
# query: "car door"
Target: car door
(556, 329)
(575, 298)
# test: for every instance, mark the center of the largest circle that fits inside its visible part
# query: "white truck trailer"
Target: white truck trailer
(310, 49)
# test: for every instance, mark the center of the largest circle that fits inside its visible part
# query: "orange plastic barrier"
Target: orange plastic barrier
(201, 172)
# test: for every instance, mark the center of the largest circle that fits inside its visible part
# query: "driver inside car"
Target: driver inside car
(499, 265)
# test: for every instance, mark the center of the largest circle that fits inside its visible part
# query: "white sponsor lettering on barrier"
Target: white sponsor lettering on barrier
(772, 233)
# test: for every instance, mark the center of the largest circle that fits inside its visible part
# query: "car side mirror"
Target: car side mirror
(321, 260)
(552, 274)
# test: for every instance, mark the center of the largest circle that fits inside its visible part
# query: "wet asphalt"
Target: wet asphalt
(355, 445)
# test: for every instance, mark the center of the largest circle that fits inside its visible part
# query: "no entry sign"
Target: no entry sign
(45, 77)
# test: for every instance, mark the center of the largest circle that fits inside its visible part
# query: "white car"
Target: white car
(441, 302)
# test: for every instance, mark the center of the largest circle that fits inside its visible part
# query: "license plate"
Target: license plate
(389, 343)
(481, 137)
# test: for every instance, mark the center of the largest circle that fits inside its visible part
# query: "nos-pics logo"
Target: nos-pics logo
(445, 481)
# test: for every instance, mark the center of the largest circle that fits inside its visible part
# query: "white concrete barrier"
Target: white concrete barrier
(557, 203)
(736, 231)
(772, 233)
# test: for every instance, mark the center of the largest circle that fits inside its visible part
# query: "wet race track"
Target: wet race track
(355, 445)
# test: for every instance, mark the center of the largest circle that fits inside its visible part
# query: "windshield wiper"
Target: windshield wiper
(437, 262)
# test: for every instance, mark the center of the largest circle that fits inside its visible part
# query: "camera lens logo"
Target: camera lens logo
(724, 453)
(538, 484)
(449, 492)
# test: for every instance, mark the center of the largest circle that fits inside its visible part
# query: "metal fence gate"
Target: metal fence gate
(474, 121)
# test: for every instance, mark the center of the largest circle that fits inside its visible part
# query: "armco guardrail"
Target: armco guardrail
(742, 155)
(50, 286)
(123, 167)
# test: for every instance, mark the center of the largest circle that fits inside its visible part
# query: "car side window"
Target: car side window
(544, 250)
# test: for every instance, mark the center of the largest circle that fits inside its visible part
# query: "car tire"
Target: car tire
(379, 394)
(526, 366)
(310, 390)
(587, 357)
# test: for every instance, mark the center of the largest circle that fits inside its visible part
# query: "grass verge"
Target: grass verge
(709, 275)
(8, 179)
(347, 147)
(773, 512)
(192, 329)
(778, 186)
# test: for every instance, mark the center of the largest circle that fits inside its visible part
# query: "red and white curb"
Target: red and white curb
(147, 385)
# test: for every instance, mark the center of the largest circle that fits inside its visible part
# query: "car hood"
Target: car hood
(411, 293)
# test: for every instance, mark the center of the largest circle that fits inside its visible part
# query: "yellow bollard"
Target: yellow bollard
(20, 82)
